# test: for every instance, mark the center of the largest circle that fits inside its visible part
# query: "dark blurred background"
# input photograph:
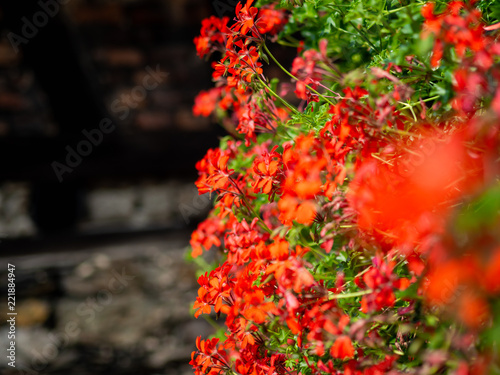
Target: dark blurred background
(129, 66)
(97, 153)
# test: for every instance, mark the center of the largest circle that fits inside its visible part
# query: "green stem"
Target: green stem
(350, 295)
(248, 206)
(292, 76)
(211, 322)
(408, 105)
(363, 35)
(283, 43)
(411, 105)
(288, 105)
(318, 276)
(400, 8)
(318, 254)
(380, 159)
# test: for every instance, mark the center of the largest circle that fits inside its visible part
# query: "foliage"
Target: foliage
(356, 225)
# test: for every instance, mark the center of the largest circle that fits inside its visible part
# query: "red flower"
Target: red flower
(342, 348)
(382, 281)
(208, 357)
(268, 173)
(308, 73)
(437, 53)
(242, 64)
(212, 35)
(425, 182)
(214, 290)
(213, 171)
(206, 101)
(206, 235)
(270, 20)
(245, 16)
(491, 281)
(293, 210)
(473, 309)
(242, 242)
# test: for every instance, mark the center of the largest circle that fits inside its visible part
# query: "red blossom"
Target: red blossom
(268, 173)
(213, 171)
(206, 102)
(435, 172)
(342, 348)
(206, 235)
(212, 35)
(271, 20)
(348, 211)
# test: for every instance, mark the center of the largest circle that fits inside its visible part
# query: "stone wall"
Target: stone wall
(120, 308)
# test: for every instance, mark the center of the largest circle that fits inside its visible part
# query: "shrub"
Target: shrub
(356, 225)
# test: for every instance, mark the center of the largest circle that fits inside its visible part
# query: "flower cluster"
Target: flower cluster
(460, 28)
(355, 229)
